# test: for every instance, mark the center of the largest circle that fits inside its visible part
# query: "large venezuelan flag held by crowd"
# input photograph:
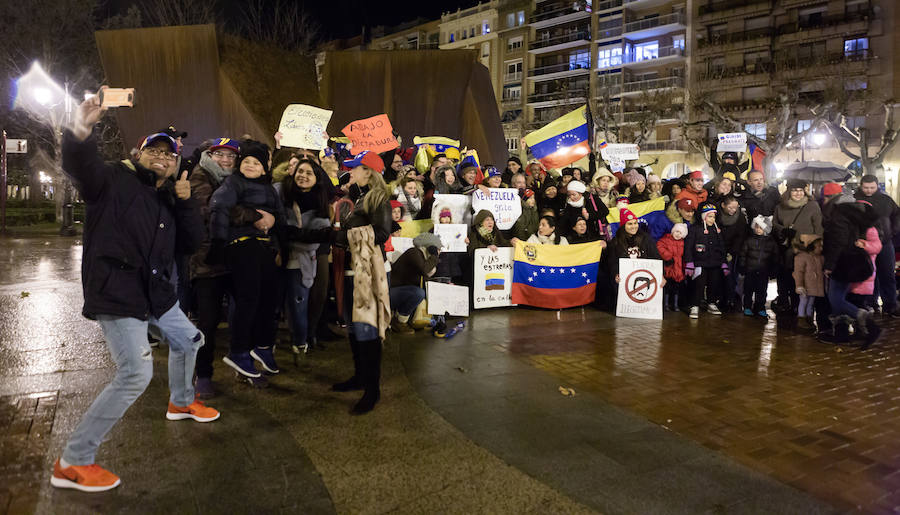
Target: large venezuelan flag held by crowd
(562, 141)
(555, 276)
(651, 213)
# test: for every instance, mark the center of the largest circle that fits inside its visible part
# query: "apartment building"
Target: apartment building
(749, 51)
(474, 28)
(418, 34)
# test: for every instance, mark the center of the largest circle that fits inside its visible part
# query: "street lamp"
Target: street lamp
(818, 139)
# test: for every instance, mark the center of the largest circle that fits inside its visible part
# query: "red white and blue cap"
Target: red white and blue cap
(225, 144)
(160, 136)
(366, 158)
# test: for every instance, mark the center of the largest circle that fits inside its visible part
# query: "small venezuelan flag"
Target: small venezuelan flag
(651, 213)
(555, 276)
(440, 143)
(494, 281)
(561, 142)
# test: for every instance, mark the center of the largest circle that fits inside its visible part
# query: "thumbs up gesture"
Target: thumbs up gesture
(183, 187)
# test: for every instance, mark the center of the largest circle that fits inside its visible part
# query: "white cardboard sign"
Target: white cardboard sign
(453, 236)
(503, 203)
(640, 289)
(447, 298)
(304, 126)
(400, 245)
(620, 151)
(460, 207)
(732, 142)
(492, 286)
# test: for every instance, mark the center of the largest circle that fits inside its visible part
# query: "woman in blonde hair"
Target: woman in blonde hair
(366, 294)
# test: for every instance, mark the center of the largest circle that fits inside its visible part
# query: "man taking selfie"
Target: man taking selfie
(136, 220)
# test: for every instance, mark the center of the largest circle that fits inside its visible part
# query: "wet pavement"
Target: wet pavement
(722, 415)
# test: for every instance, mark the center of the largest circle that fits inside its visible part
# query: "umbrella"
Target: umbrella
(816, 172)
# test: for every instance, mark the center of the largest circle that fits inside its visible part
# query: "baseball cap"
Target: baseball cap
(366, 158)
(160, 136)
(686, 204)
(173, 132)
(225, 143)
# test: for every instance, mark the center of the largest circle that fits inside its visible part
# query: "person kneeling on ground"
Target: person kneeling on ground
(407, 276)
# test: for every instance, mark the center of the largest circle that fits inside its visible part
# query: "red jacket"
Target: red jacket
(672, 252)
(699, 197)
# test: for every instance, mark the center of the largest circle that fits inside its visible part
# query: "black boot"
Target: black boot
(355, 382)
(371, 365)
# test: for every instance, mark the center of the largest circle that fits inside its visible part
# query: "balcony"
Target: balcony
(652, 84)
(668, 116)
(558, 71)
(608, 4)
(719, 6)
(561, 42)
(558, 13)
(610, 31)
(736, 37)
(839, 63)
(512, 77)
(572, 96)
(509, 102)
(655, 26)
(664, 54)
(644, 4)
(837, 25)
(758, 67)
(669, 145)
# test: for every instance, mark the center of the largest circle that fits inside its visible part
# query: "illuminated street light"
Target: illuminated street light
(44, 178)
(818, 139)
(43, 96)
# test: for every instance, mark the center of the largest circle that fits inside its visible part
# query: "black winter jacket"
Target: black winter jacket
(704, 248)
(597, 212)
(848, 223)
(734, 234)
(764, 204)
(246, 195)
(131, 235)
(619, 247)
(759, 253)
(888, 214)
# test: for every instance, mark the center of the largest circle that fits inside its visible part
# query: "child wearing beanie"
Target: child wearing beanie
(671, 250)
(705, 263)
(759, 254)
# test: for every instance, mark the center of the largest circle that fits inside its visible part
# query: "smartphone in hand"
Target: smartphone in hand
(116, 97)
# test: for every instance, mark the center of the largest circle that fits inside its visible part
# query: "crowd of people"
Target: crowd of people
(241, 232)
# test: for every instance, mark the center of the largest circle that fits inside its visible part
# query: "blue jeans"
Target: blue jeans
(405, 299)
(837, 297)
(361, 331)
(885, 280)
(126, 339)
(297, 300)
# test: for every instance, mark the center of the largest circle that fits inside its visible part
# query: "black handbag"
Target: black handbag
(854, 265)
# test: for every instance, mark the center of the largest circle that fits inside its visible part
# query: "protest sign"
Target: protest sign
(374, 134)
(447, 298)
(412, 228)
(303, 126)
(493, 278)
(640, 289)
(400, 245)
(453, 236)
(622, 151)
(732, 142)
(460, 207)
(503, 203)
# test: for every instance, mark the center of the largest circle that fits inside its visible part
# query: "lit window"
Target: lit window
(645, 51)
(756, 129)
(521, 16)
(803, 125)
(512, 144)
(485, 27)
(857, 47)
(678, 41)
(511, 20)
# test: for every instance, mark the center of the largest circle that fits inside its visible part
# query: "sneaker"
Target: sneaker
(763, 314)
(748, 312)
(242, 363)
(894, 313)
(695, 312)
(203, 388)
(713, 309)
(299, 349)
(87, 478)
(266, 358)
(400, 328)
(196, 410)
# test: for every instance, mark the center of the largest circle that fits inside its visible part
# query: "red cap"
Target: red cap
(367, 158)
(696, 174)
(396, 203)
(686, 204)
(832, 188)
(625, 215)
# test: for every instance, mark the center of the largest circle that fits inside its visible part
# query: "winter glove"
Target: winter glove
(725, 269)
(801, 290)
(432, 250)
(216, 253)
(729, 258)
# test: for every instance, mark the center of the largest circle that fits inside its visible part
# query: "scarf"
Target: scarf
(487, 234)
(729, 220)
(546, 240)
(795, 204)
(215, 171)
(371, 304)
(577, 203)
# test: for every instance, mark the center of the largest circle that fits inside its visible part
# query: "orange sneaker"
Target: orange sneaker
(196, 411)
(87, 478)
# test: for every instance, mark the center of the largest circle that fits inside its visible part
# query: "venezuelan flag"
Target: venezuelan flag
(651, 213)
(555, 276)
(757, 155)
(494, 281)
(440, 143)
(561, 142)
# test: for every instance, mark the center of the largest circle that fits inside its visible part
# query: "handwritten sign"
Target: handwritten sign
(400, 245)
(503, 203)
(447, 298)
(732, 142)
(492, 287)
(460, 207)
(303, 126)
(622, 151)
(453, 236)
(374, 134)
(640, 289)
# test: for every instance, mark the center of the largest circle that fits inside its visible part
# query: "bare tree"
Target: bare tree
(168, 13)
(284, 24)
